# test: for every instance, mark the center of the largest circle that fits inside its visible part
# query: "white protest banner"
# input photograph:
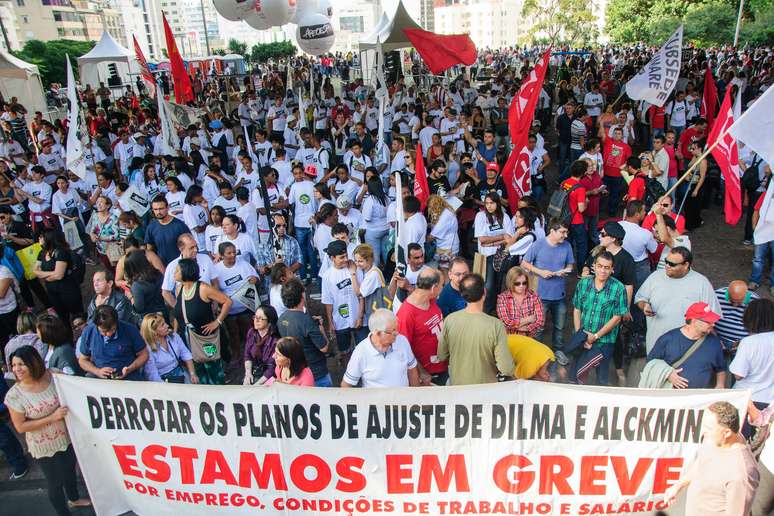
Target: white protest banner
(74, 157)
(247, 295)
(135, 201)
(70, 230)
(655, 82)
(511, 448)
(183, 115)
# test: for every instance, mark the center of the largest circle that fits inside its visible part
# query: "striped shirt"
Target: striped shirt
(730, 328)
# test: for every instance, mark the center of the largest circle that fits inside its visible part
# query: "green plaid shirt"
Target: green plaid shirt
(599, 306)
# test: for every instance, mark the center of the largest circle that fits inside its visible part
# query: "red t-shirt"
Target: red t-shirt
(615, 154)
(422, 329)
(657, 118)
(591, 182)
(577, 196)
(650, 220)
(672, 161)
(636, 188)
(687, 137)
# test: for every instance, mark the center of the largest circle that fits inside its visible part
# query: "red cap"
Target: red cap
(310, 170)
(702, 312)
(492, 165)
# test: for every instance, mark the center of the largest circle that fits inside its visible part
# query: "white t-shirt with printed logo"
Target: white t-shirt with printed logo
(337, 291)
(231, 279)
(302, 198)
(483, 228)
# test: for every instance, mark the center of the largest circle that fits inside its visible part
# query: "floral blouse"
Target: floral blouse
(107, 230)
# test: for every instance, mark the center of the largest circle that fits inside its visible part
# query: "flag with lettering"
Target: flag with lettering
(516, 172)
(727, 156)
(655, 82)
(75, 159)
(145, 73)
(180, 79)
(709, 100)
(421, 188)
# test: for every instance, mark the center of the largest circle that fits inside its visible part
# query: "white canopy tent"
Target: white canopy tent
(391, 34)
(93, 67)
(21, 79)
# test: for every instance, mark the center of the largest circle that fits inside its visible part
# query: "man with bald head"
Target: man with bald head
(189, 249)
(420, 321)
(733, 301)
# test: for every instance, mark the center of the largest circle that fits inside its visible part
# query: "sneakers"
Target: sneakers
(17, 476)
(747, 242)
(751, 285)
(561, 358)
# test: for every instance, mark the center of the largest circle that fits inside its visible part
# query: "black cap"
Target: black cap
(615, 230)
(336, 248)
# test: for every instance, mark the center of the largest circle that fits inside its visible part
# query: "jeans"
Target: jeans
(375, 240)
(490, 303)
(590, 359)
(558, 309)
(748, 227)
(344, 340)
(615, 185)
(59, 471)
(12, 449)
(678, 129)
(670, 183)
(592, 226)
(537, 191)
(308, 256)
(324, 381)
(759, 262)
(564, 160)
(580, 243)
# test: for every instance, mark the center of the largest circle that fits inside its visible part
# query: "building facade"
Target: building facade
(490, 23)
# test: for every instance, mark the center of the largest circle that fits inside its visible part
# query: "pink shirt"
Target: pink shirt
(305, 378)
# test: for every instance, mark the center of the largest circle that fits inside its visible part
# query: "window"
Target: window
(25, 18)
(20, 3)
(351, 23)
(60, 31)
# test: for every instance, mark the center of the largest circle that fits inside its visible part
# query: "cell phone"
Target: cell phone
(400, 269)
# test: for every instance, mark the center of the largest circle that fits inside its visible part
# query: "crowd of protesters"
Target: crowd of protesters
(294, 193)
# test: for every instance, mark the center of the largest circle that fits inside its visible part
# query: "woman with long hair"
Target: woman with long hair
(169, 360)
(491, 227)
(444, 231)
(260, 346)
(230, 275)
(322, 193)
(518, 307)
(523, 237)
(55, 268)
(694, 198)
(150, 184)
(60, 355)
(278, 276)
(175, 197)
(540, 219)
(144, 284)
(369, 281)
(234, 233)
(131, 244)
(103, 230)
(374, 214)
(214, 229)
(291, 363)
(26, 335)
(35, 411)
(195, 213)
(369, 174)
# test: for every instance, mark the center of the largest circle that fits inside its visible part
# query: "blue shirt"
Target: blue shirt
(163, 237)
(701, 366)
(553, 258)
(487, 154)
(117, 351)
(450, 300)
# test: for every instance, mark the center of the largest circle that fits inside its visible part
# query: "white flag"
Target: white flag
(655, 82)
(380, 127)
(400, 242)
(756, 127)
(301, 109)
(380, 82)
(74, 159)
(764, 230)
(169, 140)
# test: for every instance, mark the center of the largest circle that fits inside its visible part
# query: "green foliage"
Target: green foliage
(237, 47)
(568, 22)
(50, 57)
(706, 22)
(266, 51)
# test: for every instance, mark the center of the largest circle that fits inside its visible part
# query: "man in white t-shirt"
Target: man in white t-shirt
(189, 249)
(338, 295)
(677, 111)
(594, 101)
(301, 196)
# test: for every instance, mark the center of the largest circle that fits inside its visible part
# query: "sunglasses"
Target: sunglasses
(280, 225)
(602, 234)
(672, 264)
(519, 283)
(665, 205)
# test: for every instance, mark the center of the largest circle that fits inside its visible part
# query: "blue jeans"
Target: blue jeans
(678, 129)
(615, 185)
(308, 256)
(537, 191)
(324, 381)
(564, 159)
(592, 226)
(759, 262)
(670, 183)
(580, 242)
(12, 449)
(558, 309)
(375, 239)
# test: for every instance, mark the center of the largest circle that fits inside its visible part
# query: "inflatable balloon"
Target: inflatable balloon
(273, 12)
(234, 10)
(325, 7)
(257, 22)
(314, 34)
(303, 7)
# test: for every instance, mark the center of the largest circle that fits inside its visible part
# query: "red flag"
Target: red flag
(442, 51)
(516, 172)
(182, 83)
(709, 101)
(421, 188)
(727, 157)
(147, 76)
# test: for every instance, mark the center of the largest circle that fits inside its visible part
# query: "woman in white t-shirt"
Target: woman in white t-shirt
(194, 215)
(66, 203)
(8, 305)
(233, 232)
(278, 276)
(175, 197)
(326, 218)
(491, 227)
(149, 184)
(369, 279)
(443, 232)
(213, 231)
(374, 218)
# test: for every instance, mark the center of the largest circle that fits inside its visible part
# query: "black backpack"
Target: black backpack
(654, 191)
(750, 179)
(559, 205)
(77, 267)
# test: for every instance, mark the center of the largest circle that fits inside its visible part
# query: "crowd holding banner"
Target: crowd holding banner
(529, 217)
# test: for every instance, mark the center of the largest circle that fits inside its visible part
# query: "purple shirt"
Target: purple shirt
(261, 355)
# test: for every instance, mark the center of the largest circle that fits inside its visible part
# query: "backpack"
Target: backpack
(654, 191)
(77, 267)
(379, 298)
(559, 205)
(750, 178)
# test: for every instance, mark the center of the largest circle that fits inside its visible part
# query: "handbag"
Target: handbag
(114, 251)
(479, 265)
(379, 298)
(176, 375)
(28, 256)
(499, 258)
(204, 348)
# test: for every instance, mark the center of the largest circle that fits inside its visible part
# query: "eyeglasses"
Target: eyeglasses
(520, 283)
(672, 264)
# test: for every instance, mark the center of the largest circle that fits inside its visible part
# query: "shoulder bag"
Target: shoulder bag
(204, 348)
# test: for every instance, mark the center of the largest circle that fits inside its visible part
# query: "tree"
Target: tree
(561, 21)
(237, 47)
(49, 56)
(275, 51)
